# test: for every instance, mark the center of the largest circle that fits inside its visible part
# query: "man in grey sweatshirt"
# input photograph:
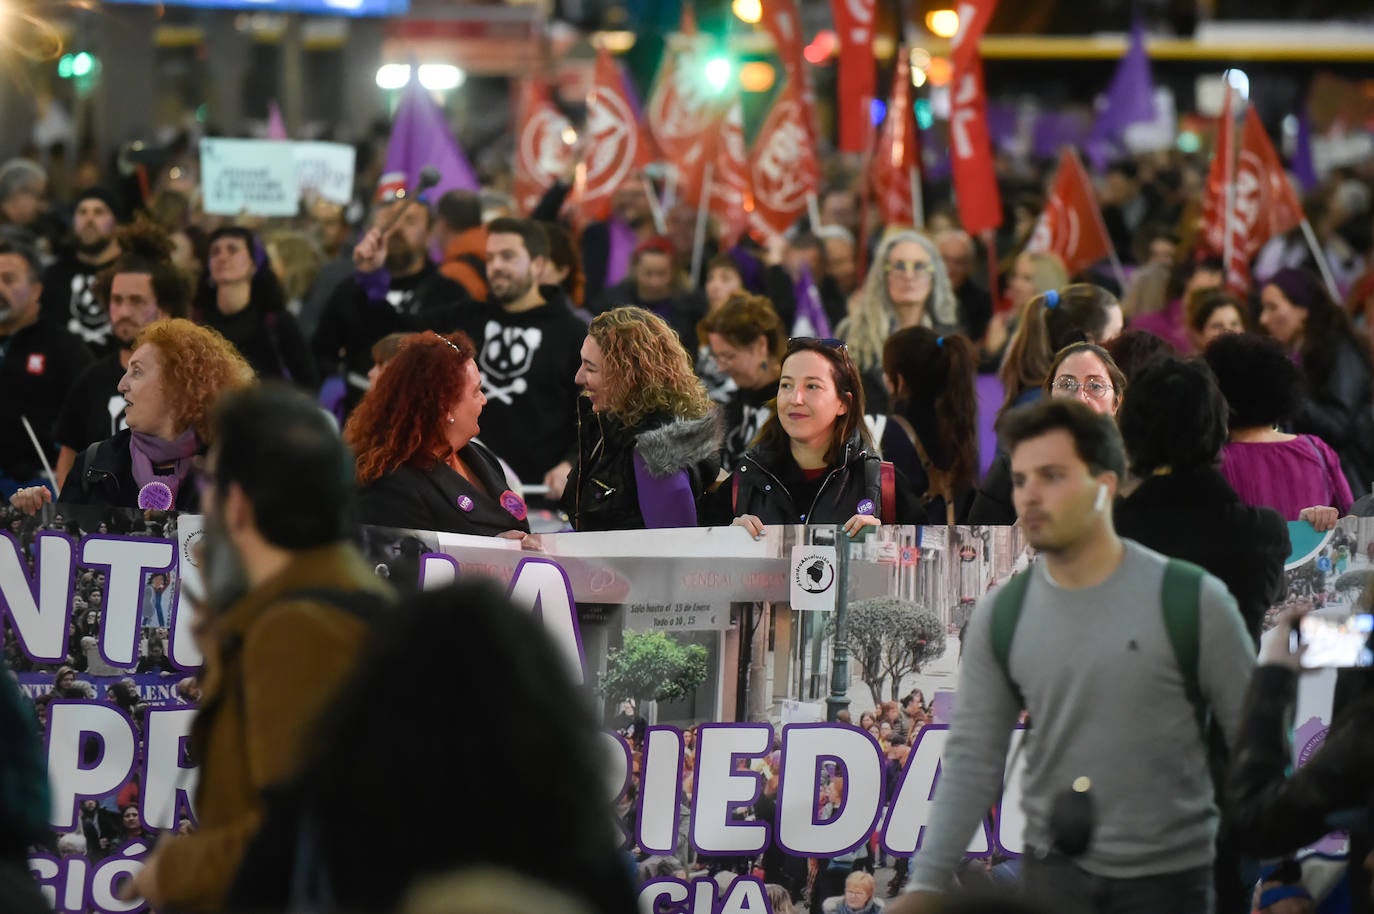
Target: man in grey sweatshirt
(1093, 661)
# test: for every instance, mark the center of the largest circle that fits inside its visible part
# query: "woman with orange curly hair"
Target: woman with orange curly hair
(177, 371)
(648, 440)
(419, 467)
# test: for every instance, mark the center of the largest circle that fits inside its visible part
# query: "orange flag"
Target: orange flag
(542, 151)
(1071, 224)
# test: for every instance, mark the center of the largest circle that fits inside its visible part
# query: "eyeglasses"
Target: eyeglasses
(1095, 387)
(915, 267)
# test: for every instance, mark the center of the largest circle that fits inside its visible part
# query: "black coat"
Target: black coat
(103, 476)
(439, 498)
(1337, 409)
(1196, 516)
(770, 486)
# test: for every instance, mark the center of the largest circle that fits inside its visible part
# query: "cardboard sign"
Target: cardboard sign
(326, 169)
(257, 177)
(813, 579)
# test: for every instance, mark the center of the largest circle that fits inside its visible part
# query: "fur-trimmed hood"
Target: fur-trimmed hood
(679, 443)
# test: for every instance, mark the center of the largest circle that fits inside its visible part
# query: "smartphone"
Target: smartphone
(1337, 641)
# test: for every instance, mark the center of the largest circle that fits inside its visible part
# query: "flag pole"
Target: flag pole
(1320, 256)
(813, 210)
(703, 214)
(1229, 166)
(670, 187)
(655, 205)
(918, 203)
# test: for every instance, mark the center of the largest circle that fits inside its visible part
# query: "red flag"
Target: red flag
(1265, 202)
(783, 22)
(616, 150)
(682, 113)
(858, 76)
(1071, 225)
(975, 175)
(542, 151)
(1214, 213)
(897, 161)
(783, 165)
(732, 197)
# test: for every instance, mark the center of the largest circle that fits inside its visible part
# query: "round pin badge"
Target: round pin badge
(514, 504)
(465, 503)
(865, 507)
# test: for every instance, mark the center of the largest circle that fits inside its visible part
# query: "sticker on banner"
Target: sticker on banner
(813, 578)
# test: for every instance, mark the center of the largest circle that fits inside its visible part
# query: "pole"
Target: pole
(703, 214)
(989, 239)
(838, 699)
(813, 210)
(918, 203)
(655, 205)
(1320, 257)
(1228, 242)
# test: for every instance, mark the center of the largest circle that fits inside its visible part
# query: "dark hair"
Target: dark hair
(11, 244)
(1118, 378)
(460, 210)
(742, 320)
(283, 451)
(146, 248)
(1207, 302)
(1261, 384)
(724, 261)
(848, 386)
(364, 728)
(564, 253)
(1096, 439)
(533, 234)
(1187, 269)
(1135, 348)
(1175, 416)
(940, 400)
(1327, 328)
(265, 290)
(1052, 320)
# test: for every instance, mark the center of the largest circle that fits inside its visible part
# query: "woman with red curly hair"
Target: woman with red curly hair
(177, 371)
(419, 467)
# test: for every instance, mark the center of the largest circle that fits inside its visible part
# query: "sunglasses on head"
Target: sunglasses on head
(829, 342)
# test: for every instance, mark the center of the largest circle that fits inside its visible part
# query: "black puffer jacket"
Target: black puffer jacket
(602, 492)
(770, 486)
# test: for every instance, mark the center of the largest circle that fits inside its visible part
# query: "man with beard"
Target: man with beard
(286, 603)
(528, 350)
(142, 286)
(38, 360)
(396, 288)
(69, 297)
(1119, 806)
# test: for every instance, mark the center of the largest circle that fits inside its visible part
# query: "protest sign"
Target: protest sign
(257, 177)
(325, 169)
(94, 626)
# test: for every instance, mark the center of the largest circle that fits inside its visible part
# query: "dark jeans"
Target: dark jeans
(1058, 885)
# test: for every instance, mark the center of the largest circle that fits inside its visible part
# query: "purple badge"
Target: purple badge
(465, 503)
(514, 504)
(865, 507)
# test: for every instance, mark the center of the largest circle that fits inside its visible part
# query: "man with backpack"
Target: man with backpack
(1121, 657)
(288, 602)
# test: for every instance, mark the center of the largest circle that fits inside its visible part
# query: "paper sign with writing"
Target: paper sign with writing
(326, 169)
(257, 177)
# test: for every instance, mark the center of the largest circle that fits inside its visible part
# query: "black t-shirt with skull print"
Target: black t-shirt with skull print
(69, 301)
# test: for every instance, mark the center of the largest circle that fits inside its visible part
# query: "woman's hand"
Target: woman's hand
(1321, 517)
(750, 523)
(32, 499)
(1276, 648)
(530, 541)
(859, 521)
(557, 480)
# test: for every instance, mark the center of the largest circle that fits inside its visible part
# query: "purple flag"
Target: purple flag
(276, 124)
(810, 319)
(1130, 99)
(420, 137)
(1303, 167)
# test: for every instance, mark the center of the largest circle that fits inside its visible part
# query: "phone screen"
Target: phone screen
(1337, 641)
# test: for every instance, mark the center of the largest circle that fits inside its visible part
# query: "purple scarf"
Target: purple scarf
(149, 451)
(622, 249)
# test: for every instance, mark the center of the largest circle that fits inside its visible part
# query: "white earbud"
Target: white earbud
(1101, 501)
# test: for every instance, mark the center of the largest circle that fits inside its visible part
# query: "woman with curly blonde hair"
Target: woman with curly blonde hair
(177, 371)
(648, 437)
(907, 286)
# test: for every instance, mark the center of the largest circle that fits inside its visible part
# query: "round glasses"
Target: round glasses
(1093, 387)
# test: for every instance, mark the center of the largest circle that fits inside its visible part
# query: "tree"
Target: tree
(890, 638)
(650, 666)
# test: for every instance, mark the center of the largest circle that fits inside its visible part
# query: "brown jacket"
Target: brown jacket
(271, 667)
(456, 266)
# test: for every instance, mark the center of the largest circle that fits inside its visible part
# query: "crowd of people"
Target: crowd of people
(476, 360)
